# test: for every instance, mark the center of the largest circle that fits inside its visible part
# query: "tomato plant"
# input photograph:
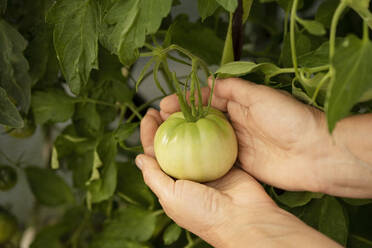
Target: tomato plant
(81, 71)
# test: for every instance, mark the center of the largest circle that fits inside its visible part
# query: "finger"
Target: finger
(170, 103)
(149, 124)
(161, 184)
(238, 90)
(191, 205)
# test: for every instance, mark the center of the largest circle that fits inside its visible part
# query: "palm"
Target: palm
(201, 202)
(274, 130)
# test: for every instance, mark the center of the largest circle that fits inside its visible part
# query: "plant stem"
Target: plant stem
(292, 36)
(134, 110)
(156, 69)
(168, 76)
(319, 86)
(192, 88)
(178, 60)
(142, 107)
(332, 37)
(90, 100)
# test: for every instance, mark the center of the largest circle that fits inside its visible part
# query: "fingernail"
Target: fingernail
(139, 162)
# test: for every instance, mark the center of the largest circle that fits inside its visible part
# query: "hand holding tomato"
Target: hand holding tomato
(285, 143)
(232, 211)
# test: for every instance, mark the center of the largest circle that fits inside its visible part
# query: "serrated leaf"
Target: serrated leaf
(229, 5)
(9, 115)
(351, 79)
(127, 224)
(207, 8)
(144, 17)
(75, 39)
(191, 36)
(132, 186)
(48, 188)
(52, 105)
(14, 77)
(312, 26)
(171, 234)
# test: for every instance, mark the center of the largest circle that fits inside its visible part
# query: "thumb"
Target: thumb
(191, 205)
(237, 90)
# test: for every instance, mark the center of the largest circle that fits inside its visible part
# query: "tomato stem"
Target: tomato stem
(183, 104)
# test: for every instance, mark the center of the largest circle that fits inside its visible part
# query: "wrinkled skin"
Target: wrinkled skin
(282, 142)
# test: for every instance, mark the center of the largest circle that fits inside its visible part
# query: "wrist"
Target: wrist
(343, 158)
(272, 228)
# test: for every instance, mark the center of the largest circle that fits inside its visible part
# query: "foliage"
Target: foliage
(71, 62)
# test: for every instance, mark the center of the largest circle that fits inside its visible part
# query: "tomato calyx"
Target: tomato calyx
(192, 111)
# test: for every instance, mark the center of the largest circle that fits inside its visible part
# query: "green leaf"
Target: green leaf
(303, 46)
(14, 77)
(247, 4)
(9, 115)
(207, 8)
(52, 105)
(124, 34)
(125, 130)
(240, 68)
(191, 36)
(75, 39)
(296, 199)
(87, 120)
(351, 79)
(42, 57)
(171, 234)
(104, 187)
(51, 236)
(312, 26)
(228, 49)
(127, 224)
(333, 221)
(362, 8)
(357, 202)
(118, 26)
(229, 5)
(132, 186)
(48, 188)
(325, 12)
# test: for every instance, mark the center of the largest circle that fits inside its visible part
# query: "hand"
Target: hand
(230, 212)
(285, 143)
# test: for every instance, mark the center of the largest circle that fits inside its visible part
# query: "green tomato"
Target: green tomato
(200, 151)
(8, 226)
(8, 177)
